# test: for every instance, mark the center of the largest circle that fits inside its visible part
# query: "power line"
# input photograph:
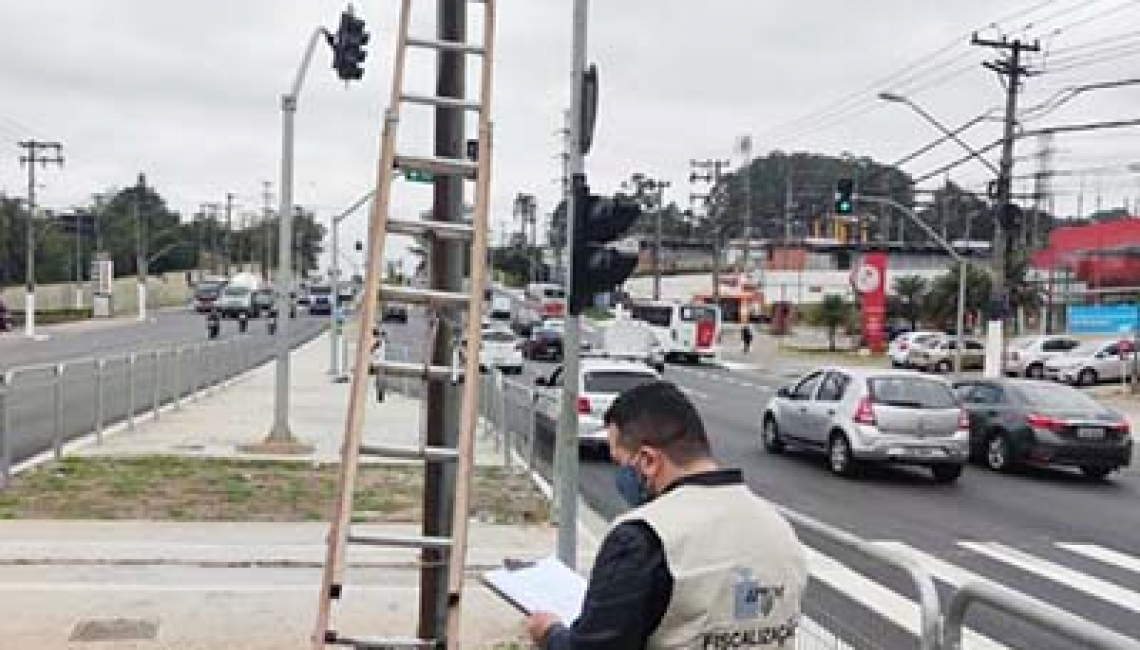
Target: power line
(860, 102)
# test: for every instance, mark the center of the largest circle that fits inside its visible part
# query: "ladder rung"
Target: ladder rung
(332, 638)
(443, 102)
(414, 296)
(441, 229)
(445, 46)
(416, 370)
(410, 453)
(401, 541)
(438, 166)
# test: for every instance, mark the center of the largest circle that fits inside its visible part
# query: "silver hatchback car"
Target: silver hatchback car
(858, 416)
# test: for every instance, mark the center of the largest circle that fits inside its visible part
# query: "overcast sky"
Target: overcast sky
(188, 92)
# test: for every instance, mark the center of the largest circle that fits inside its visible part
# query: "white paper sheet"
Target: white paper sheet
(547, 586)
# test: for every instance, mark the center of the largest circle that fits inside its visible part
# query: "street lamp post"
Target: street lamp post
(993, 362)
(281, 435)
(953, 135)
(962, 268)
(336, 323)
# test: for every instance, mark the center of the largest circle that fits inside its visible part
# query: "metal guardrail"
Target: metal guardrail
(42, 407)
(930, 623)
(1055, 620)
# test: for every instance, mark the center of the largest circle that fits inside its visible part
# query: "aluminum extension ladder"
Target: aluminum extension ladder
(340, 534)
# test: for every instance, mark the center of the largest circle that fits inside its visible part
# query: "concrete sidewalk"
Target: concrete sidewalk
(145, 584)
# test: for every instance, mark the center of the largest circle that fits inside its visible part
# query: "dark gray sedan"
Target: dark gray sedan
(1020, 421)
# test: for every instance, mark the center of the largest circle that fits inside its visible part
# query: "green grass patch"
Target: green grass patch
(200, 489)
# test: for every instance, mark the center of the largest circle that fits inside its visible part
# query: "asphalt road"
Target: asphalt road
(42, 413)
(1051, 534)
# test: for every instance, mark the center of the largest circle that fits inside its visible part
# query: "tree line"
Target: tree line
(134, 224)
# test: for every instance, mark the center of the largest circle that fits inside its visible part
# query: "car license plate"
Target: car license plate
(1085, 433)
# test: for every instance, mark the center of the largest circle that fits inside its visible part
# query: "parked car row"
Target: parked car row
(934, 352)
(861, 416)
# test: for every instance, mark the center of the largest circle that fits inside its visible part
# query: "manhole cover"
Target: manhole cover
(118, 629)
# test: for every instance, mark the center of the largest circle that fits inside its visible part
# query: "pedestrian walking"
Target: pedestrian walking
(746, 337)
(213, 325)
(700, 562)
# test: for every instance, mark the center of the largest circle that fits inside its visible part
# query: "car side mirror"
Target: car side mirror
(784, 391)
(540, 381)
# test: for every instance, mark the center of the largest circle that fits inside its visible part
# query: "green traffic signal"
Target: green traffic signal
(844, 196)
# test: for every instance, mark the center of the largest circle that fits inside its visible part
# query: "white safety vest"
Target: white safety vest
(738, 569)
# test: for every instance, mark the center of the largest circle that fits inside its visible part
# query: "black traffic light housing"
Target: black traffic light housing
(348, 47)
(845, 196)
(597, 267)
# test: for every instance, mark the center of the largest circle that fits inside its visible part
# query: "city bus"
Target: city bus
(687, 332)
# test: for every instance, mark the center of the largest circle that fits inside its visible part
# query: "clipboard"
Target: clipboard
(545, 585)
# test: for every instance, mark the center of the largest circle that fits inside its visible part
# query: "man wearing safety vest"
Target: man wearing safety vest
(699, 563)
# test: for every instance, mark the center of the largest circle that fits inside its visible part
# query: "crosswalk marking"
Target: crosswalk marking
(694, 392)
(899, 610)
(1093, 586)
(1106, 555)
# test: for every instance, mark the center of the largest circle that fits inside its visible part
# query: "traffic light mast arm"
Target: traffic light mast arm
(299, 80)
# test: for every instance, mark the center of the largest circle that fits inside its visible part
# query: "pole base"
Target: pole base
(277, 448)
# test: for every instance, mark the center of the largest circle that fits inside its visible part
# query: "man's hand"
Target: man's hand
(538, 623)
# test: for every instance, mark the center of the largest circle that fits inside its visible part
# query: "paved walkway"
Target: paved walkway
(243, 586)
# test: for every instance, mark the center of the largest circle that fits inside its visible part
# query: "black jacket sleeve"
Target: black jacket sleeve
(629, 591)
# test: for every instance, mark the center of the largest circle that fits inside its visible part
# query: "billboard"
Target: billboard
(869, 280)
(1102, 319)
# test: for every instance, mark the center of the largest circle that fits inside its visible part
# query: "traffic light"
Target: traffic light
(348, 47)
(598, 267)
(844, 196)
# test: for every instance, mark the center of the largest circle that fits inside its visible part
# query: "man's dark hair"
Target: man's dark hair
(659, 415)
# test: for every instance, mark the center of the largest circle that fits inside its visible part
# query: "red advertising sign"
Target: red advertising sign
(869, 281)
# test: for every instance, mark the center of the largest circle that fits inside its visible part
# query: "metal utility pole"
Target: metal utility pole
(1012, 70)
(565, 157)
(713, 172)
(229, 229)
(566, 445)
(142, 234)
(525, 209)
(744, 146)
(446, 265)
(267, 229)
(33, 156)
(789, 203)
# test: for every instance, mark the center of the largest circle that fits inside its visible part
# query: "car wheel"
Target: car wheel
(1096, 472)
(1035, 371)
(998, 453)
(944, 366)
(1086, 377)
(839, 458)
(946, 473)
(770, 434)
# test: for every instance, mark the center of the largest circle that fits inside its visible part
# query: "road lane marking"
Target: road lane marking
(1102, 589)
(879, 599)
(951, 574)
(1105, 555)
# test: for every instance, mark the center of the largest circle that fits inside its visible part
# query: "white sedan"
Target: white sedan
(500, 348)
